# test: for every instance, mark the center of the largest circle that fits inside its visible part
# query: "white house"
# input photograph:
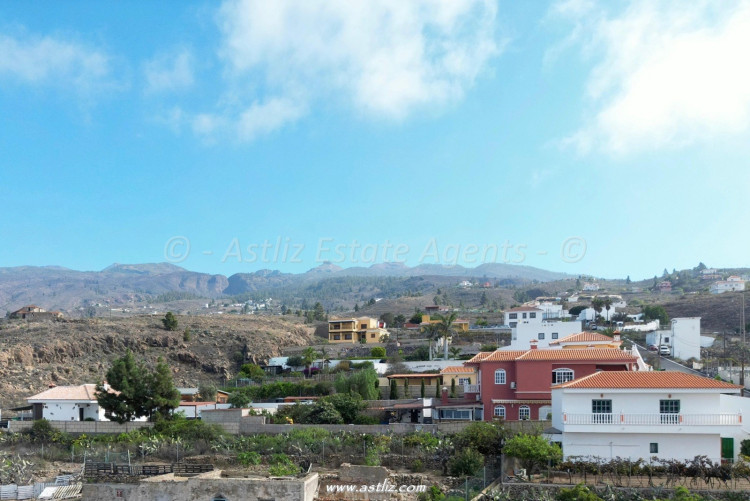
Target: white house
(591, 286)
(731, 284)
(587, 315)
(683, 338)
(522, 314)
(668, 415)
(67, 403)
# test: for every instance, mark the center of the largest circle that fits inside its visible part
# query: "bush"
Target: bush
(482, 436)
(745, 447)
(532, 451)
(248, 458)
(578, 493)
(488, 347)
(188, 429)
(169, 321)
(294, 361)
(377, 351)
(282, 466)
(466, 462)
(417, 466)
(186, 334)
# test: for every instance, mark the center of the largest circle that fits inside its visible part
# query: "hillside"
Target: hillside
(35, 355)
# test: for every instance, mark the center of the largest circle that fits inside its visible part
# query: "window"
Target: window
(541, 335)
(532, 315)
(666, 339)
(562, 376)
(455, 414)
(653, 448)
(602, 411)
(524, 315)
(514, 316)
(337, 337)
(554, 335)
(513, 325)
(462, 381)
(524, 413)
(669, 410)
(348, 337)
(500, 411)
(500, 376)
(372, 335)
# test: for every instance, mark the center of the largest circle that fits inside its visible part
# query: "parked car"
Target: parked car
(664, 350)
(653, 347)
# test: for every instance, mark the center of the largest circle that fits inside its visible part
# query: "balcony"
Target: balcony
(653, 419)
(471, 388)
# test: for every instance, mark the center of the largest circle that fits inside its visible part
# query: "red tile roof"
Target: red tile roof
(81, 392)
(583, 337)
(422, 375)
(456, 369)
(646, 380)
(611, 354)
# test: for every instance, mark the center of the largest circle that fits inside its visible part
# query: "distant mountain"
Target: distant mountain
(55, 287)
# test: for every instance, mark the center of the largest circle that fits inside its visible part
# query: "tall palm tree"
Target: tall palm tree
(308, 357)
(607, 305)
(445, 325)
(433, 334)
(597, 303)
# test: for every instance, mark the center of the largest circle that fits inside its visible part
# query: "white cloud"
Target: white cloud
(384, 58)
(667, 74)
(169, 72)
(53, 61)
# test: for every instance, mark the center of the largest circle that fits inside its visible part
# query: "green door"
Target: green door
(727, 448)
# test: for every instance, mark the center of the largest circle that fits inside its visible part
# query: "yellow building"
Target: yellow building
(461, 374)
(459, 324)
(355, 330)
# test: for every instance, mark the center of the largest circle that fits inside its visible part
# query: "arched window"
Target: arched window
(562, 376)
(545, 413)
(500, 376)
(500, 411)
(524, 413)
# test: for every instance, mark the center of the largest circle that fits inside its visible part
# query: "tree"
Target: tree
(483, 299)
(128, 378)
(466, 462)
(607, 302)
(388, 318)
(421, 389)
(597, 303)
(455, 352)
(482, 436)
(532, 451)
(377, 351)
(252, 371)
(163, 397)
(627, 279)
(361, 383)
(406, 387)
(445, 324)
(356, 307)
(453, 388)
(399, 320)
(416, 318)
(394, 390)
(207, 392)
(348, 405)
(319, 313)
(186, 334)
(295, 361)
(308, 357)
(656, 312)
(169, 321)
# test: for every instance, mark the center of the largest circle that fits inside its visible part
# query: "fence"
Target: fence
(92, 469)
(31, 491)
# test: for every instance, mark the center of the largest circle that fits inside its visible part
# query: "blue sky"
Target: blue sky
(447, 128)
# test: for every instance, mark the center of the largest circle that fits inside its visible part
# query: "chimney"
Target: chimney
(444, 395)
(534, 343)
(616, 335)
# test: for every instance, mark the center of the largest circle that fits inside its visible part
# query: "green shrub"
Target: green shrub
(188, 429)
(466, 462)
(378, 351)
(248, 458)
(281, 466)
(417, 466)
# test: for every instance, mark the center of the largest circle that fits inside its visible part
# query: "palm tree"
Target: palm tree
(445, 325)
(433, 333)
(607, 305)
(597, 303)
(308, 357)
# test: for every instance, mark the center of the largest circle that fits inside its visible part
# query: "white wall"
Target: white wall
(686, 338)
(635, 446)
(68, 411)
(640, 401)
(524, 333)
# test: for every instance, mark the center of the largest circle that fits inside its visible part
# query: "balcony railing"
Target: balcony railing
(471, 388)
(654, 419)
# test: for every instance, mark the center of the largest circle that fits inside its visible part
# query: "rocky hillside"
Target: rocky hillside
(35, 355)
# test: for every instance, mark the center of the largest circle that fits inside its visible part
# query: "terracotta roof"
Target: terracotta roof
(456, 369)
(647, 380)
(525, 308)
(77, 393)
(584, 337)
(412, 375)
(614, 354)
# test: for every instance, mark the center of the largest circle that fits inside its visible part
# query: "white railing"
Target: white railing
(471, 388)
(654, 419)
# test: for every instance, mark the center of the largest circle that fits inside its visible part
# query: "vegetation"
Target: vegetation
(363, 383)
(466, 462)
(532, 450)
(169, 321)
(656, 312)
(139, 392)
(377, 352)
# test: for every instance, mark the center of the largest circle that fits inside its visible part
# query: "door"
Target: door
(727, 449)
(80, 413)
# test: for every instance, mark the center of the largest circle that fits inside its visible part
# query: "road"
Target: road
(666, 363)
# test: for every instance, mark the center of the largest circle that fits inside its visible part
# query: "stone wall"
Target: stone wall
(205, 488)
(87, 427)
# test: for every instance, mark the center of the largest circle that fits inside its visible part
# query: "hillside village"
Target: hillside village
(585, 372)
